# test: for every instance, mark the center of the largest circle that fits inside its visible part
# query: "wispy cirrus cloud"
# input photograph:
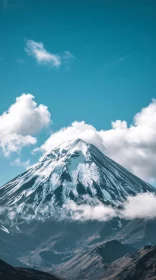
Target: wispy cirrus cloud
(67, 59)
(120, 59)
(116, 61)
(5, 5)
(42, 56)
(20, 60)
(123, 57)
(68, 55)
(19, 162)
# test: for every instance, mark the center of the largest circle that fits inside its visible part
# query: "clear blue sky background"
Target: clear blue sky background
(113, 73)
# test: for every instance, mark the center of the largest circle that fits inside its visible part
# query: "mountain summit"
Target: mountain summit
(74, 171)
(34, 229)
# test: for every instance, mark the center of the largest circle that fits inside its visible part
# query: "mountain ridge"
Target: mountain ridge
(35, 222)
(72, 171)
(128, 264)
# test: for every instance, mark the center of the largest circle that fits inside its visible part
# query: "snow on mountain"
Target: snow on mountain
(74, 171)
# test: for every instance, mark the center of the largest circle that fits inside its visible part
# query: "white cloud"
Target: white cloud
(38, 51)
(142, 206)
(42, 56)
(20, 122)
(134, 146)
(19, 162)
(120, 59)
(19, 60)
(88, 212)
(67, 59)
(80, 130)
(68, 55)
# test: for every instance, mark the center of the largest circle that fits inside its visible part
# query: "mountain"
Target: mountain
(37, 228)
(131, 266)
(9, 272)
(136, 266)
(74, 171)
(94, 263)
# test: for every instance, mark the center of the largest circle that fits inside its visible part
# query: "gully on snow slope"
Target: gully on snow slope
(37, 228)
(74, 171)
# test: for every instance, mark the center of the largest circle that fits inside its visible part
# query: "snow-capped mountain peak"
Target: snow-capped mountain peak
(73, 171)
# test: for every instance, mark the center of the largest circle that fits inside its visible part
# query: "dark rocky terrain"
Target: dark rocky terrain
(8, 272)
(134, 266)
(91, 265)
(140, 265)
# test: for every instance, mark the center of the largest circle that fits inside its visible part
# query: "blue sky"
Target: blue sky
(106, 72)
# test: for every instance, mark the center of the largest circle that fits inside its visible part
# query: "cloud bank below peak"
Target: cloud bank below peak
(141, 206)
(134, 146)
(20, 122)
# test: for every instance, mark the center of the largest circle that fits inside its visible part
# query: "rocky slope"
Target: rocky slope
(97, 265)
(38, 230)
(8, 272)
(135, 266)
(92, 264)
